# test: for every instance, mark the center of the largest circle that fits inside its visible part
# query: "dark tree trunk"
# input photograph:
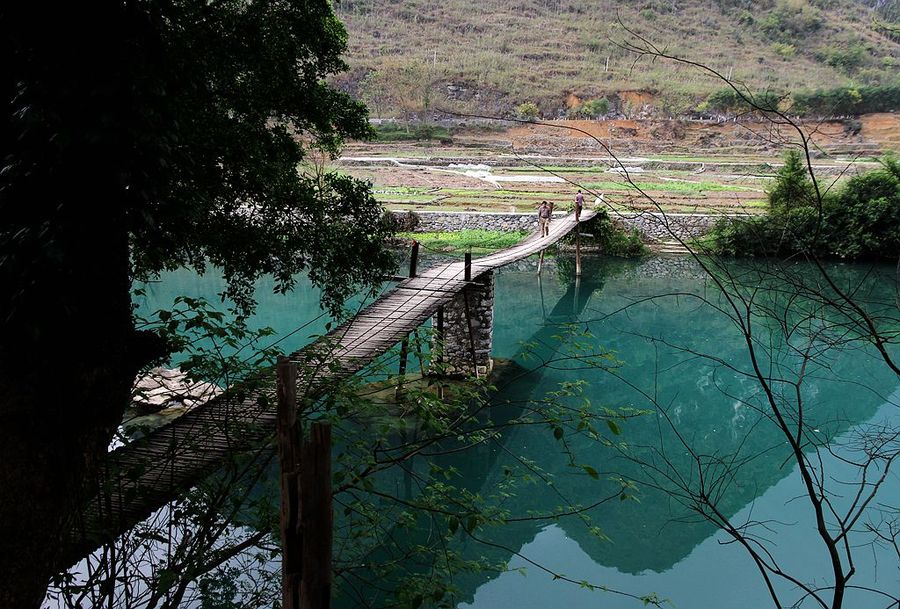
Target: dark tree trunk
(65, 374)
(68, 349)
(61, 397)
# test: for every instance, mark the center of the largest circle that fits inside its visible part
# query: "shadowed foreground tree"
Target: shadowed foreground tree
(140, 136)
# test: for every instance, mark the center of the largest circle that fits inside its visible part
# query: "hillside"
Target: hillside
(490, 56)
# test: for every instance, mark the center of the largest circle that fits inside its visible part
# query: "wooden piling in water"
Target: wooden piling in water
(414, 259)
(577, 249)
(317, 518)
(289, 433)
(401, 371)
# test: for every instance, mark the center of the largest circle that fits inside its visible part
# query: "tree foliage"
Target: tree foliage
(730, 101)
(791, 20)
(847, 100)
(594, 108)
(527, 111)
(792, 185)
(137, 137)
(860, 221)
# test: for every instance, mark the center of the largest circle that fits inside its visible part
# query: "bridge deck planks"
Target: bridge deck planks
(143, 476)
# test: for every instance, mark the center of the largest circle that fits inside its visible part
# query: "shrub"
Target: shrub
(852, 126)
(594, 108)
(791, 20)
(864, 220)
(746, 18)
(848, 100)
(861, 222)
(615, 240)
(847, 58)
(401, 222)
(784, 50)
(527, 111)
(729, 101)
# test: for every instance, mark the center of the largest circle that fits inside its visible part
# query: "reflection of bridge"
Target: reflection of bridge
(141, 477)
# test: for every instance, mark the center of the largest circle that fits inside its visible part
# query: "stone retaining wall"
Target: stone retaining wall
(452, 221)
(652, 226)
(655, 227)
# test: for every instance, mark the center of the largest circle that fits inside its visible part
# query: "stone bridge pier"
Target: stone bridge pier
(464, 337)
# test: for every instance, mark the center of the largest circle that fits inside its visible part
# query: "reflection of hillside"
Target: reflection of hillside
(476, 467)
(711, 405)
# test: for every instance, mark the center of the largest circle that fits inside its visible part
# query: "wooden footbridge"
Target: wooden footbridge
(143, 476)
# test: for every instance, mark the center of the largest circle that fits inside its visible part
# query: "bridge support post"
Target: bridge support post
(467, 330)
(290, 442)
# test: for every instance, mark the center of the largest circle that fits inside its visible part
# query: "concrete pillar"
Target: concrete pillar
(465, 336)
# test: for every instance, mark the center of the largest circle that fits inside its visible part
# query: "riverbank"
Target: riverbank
(486, 228)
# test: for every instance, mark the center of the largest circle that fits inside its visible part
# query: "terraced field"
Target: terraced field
(686, 167)
(499, 182)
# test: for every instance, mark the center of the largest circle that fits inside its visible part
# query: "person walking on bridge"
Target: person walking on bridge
(579, 205)
(544, 214)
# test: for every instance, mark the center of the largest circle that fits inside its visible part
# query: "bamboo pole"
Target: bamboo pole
(437, 353)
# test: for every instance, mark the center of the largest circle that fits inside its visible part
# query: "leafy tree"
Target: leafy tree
(864, 220)
(848, 100)
(792, 186)
(848, 57)
(860, 221)
(142, 136)
(731, 101)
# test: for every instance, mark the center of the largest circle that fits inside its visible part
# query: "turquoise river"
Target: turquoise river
(678, 354)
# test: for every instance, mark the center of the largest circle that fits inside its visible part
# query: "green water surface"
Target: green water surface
(679, 354)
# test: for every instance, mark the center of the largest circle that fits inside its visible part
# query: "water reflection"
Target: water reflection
(717, 409)
(659, 319)
(712, 404)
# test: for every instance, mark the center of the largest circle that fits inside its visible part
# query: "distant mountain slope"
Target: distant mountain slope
(491, 56)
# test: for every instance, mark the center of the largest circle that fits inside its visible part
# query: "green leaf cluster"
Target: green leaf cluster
(594, 108)
(847, 100)
(527, 111)
(861, 221)
(791, 20)
(615, 240)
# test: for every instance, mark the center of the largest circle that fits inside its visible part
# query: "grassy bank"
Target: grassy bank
(476, 241)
